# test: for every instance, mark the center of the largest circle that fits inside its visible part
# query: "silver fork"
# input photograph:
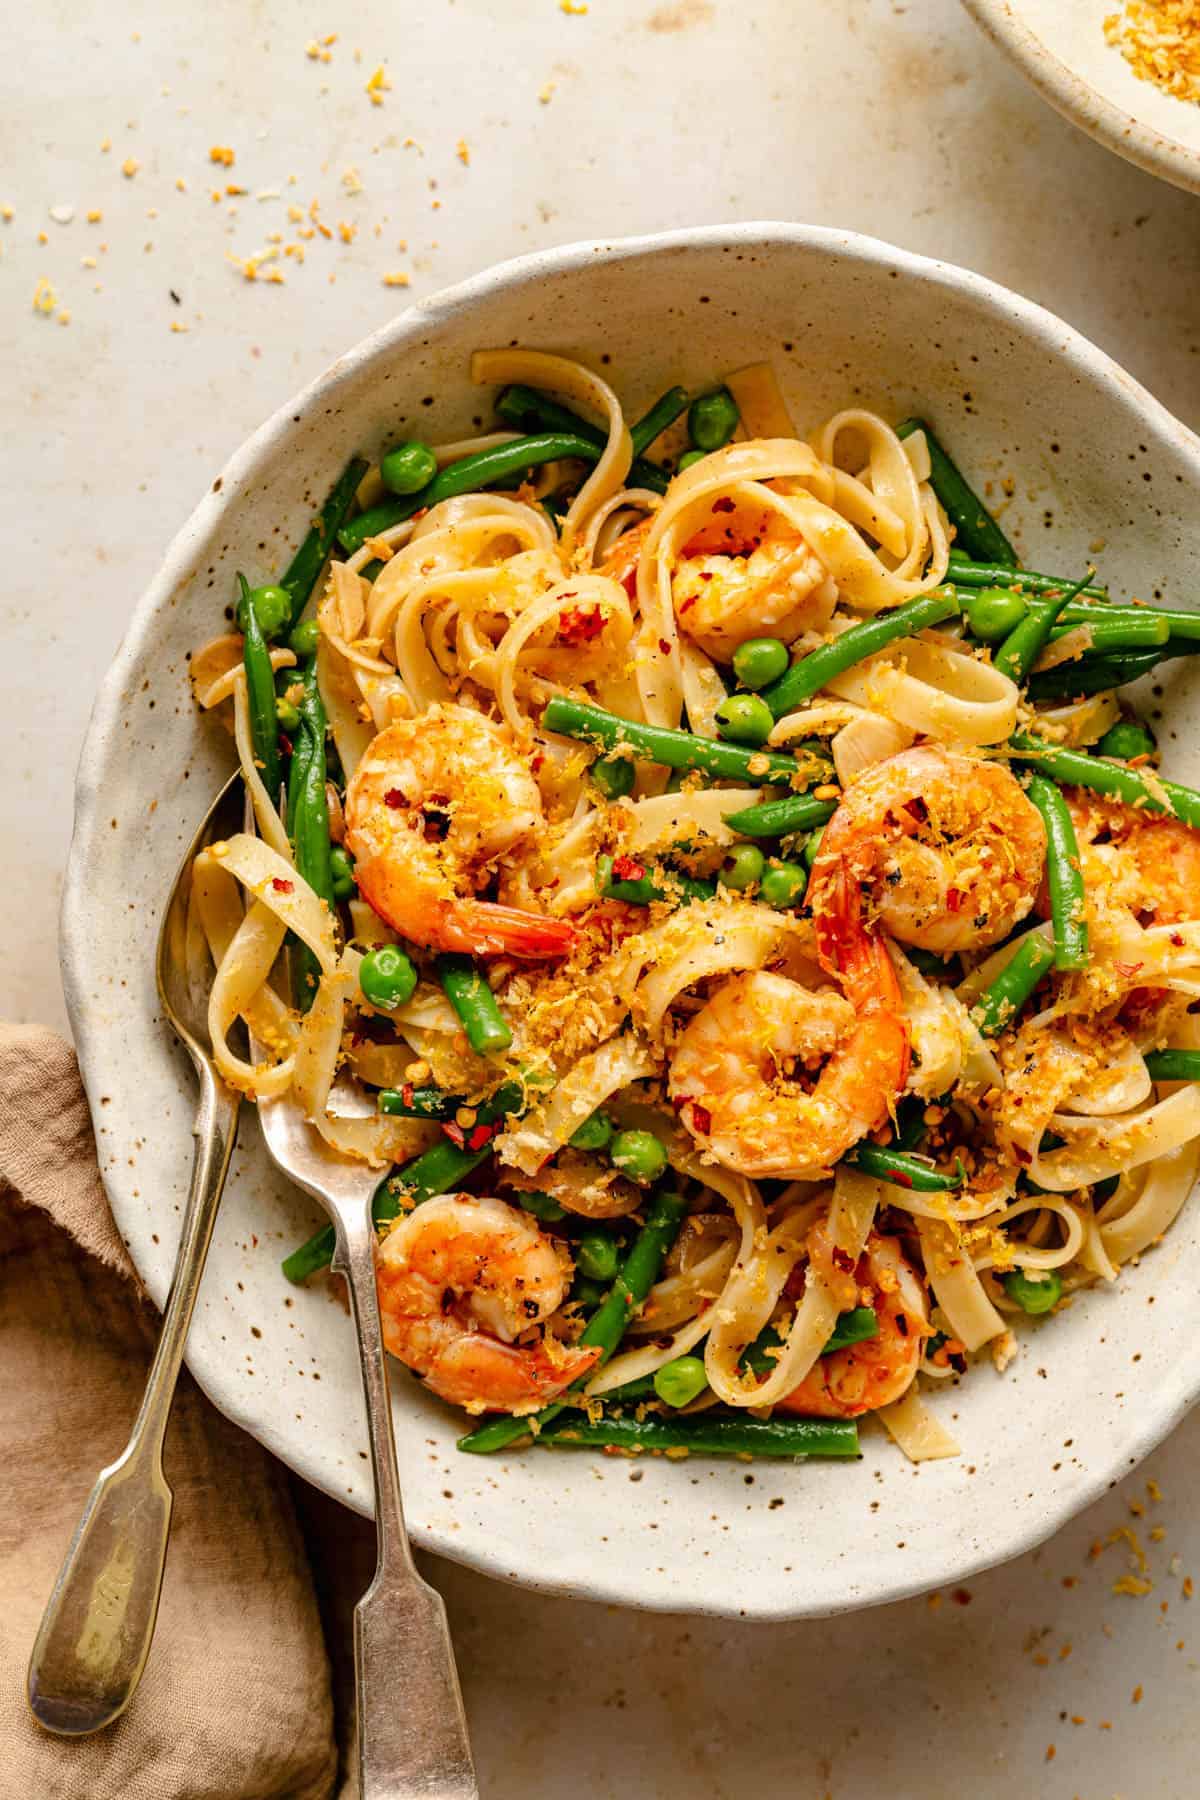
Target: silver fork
(412, 1727)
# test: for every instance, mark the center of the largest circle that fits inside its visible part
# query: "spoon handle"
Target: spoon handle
(412, 1729)
(95, 1634)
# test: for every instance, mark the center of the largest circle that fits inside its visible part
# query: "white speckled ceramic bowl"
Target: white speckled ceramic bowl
(1060, 45)
(845, 320)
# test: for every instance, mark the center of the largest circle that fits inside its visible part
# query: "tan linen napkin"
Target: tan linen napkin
(235, 1703)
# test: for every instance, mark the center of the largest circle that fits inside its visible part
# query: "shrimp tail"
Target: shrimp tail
(481, 928)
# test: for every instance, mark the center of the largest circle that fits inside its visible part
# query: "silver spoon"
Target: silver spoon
(96, 1631)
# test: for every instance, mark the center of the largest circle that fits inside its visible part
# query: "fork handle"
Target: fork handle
(412, 1729)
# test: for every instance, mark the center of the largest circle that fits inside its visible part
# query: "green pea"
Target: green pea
(596, 1256)
(614, 776)
(742, 867)
(783, 884)
(341, 868)
(407, 468)
(680, 1381)
(760, 661)
(588, 1294)
(542, 1206)
(387, 977)
(305, 638)
(1030, 1293)
(813, 846)
(712, 419)
(993, 612)
(593, 1134)
(272, 608)
(745, 719)
(638, 1154)
(287, 714)
(688, 458)
(1126, 739)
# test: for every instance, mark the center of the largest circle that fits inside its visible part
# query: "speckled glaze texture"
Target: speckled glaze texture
(1061, 47)
(845, 320)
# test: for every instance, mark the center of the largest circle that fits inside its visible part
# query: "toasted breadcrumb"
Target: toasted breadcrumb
(1160, 40)
(221, 153)
(378, 86)
(130, 167)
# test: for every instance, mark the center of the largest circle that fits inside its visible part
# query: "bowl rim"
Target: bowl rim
(947, 1563)
(1077, 100)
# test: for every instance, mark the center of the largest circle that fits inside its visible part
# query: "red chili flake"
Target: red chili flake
(962, 1596)
(482, 1134)
(629, 581)
(664, 646)
(1177, 939)
(280, 885)
(1126, 970)
(1022, 1156)
(285, 743)
(536, 761)
(843, 1260)
(580, 624)
(701, 1118)
(689, 602)
(454, 1133)
(394, 798)
(626, 868)
(954, 899)
(901, 1178)
(406, 1093)
(723, 505)
(917, 809)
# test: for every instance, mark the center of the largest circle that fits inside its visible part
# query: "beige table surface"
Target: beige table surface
(511, 124)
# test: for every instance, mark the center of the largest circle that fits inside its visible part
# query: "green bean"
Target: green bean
(1129, 628)
(439, 1170)
(810, 674)
(613, 775)
(260, 697)
(1094, 675)
(980, 572)
(855, 1326)
(473, 1000)
(412, 1102)
(1173, 1065)
(606, 1327)
(977, 530)
(1026, 641)
(658, 883)
(707, 1433)
(999, 1004)
(1084, 611)
(1063, 875)
(652, 424)
(465, 476)
(779, 818)
(533, 412)
(301, 576)
(1075, 768)
(661, 744)
(903, 1169)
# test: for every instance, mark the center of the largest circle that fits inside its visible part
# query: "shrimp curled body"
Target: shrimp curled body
(749, 574)
(871, 1374)
(735, 1078)
(944, 849)
(460, 1281)
(435, 805)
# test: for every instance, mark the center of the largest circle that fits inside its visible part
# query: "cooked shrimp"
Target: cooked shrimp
(944, 850)
(1143, 861)
(461, 1280)
(871, 1374)
(432, 809)
(742, 1071)
(749, 574)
